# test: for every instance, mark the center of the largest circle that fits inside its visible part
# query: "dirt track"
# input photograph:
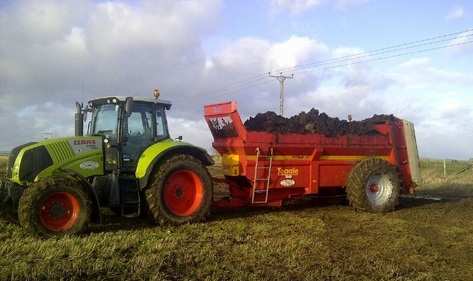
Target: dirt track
(314, 122)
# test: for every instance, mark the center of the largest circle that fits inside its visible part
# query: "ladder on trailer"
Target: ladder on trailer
(266, 179)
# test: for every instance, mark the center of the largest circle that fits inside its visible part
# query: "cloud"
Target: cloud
(414, 89)
(34, 122)
(300, 6)
(55, 54)
(193, 131)
(292, 52)
(295, 6)
(345, 4)
(63, 50)
(79, 50)
(421, 73)
(455, 13)
(257, 56)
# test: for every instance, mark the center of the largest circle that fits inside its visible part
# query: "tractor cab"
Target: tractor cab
(128, 126)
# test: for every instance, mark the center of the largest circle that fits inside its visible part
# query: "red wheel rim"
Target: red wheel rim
(183, 193)
(59, 211)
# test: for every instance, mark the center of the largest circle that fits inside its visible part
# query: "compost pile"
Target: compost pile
(314, 122)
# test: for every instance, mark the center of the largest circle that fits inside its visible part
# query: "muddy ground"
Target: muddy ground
(314, 122)
(314, 240)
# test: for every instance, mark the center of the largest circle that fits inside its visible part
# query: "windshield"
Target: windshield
(105, 121)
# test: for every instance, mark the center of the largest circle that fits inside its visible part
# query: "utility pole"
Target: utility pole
(282, 79)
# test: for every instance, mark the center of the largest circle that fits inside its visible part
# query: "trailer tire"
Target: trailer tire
(180, 192)
(373, 185)
(55, 206)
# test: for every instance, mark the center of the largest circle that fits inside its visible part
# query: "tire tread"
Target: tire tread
(156, 208)
(27, 211)
(355, 186)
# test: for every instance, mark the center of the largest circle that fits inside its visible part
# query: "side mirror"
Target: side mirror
(128, 105)
(179, 138)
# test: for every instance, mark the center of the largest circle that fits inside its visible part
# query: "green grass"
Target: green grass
(422, 240)
(457, 184)
(3, 164)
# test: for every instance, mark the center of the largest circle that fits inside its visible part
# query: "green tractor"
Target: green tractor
(126, 161)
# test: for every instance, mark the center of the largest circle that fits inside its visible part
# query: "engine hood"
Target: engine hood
(83, 154)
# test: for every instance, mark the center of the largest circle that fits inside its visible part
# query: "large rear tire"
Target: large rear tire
(55, 207)
(180, 192)
(373, 185)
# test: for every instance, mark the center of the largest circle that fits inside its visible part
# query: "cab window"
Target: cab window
(105, 120)
(161, 130)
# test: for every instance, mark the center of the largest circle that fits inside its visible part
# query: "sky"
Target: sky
(53, 53)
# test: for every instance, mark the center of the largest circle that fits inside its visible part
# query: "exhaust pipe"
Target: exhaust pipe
(79, 120)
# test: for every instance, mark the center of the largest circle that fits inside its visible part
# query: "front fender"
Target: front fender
(86, 165)
(160, 151)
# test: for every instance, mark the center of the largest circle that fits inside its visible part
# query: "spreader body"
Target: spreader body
(265, 168)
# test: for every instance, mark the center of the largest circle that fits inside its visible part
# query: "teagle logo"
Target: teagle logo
(86, 142)
(288, 172)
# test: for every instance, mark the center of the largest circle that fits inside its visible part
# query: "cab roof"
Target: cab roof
(167, 104)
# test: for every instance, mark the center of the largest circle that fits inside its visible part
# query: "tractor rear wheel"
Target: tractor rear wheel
(55, 207)
(180, 191)
(373, 185)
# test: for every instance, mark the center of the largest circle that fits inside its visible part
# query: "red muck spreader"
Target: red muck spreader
(266, 169)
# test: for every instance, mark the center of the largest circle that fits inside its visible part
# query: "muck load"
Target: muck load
(271, 159)
(126, 161)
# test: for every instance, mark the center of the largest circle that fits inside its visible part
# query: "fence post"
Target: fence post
(444, 169)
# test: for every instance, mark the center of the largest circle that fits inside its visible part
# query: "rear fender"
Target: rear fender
(159, 152)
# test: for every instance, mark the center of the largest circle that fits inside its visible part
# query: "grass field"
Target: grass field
(422, 240)
(3, 163)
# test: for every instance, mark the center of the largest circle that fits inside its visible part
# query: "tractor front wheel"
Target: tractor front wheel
(180, 192)
(55, 207)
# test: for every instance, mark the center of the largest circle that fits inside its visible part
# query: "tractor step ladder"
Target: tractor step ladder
(130, 205)
(265, 179)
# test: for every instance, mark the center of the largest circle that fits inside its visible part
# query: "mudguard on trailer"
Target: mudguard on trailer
(157, 152)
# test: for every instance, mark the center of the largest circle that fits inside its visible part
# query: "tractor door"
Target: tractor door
(139, 132)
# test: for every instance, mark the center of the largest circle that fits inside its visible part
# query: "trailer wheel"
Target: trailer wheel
(373, 185)
(180, 192)
(55, 207)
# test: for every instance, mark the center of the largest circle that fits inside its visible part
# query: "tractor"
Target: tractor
(125, 161)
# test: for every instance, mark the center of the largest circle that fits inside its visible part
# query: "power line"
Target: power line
(340, 61)
(243, 84)
(392, 56)
(355, 59)
(408, 45)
